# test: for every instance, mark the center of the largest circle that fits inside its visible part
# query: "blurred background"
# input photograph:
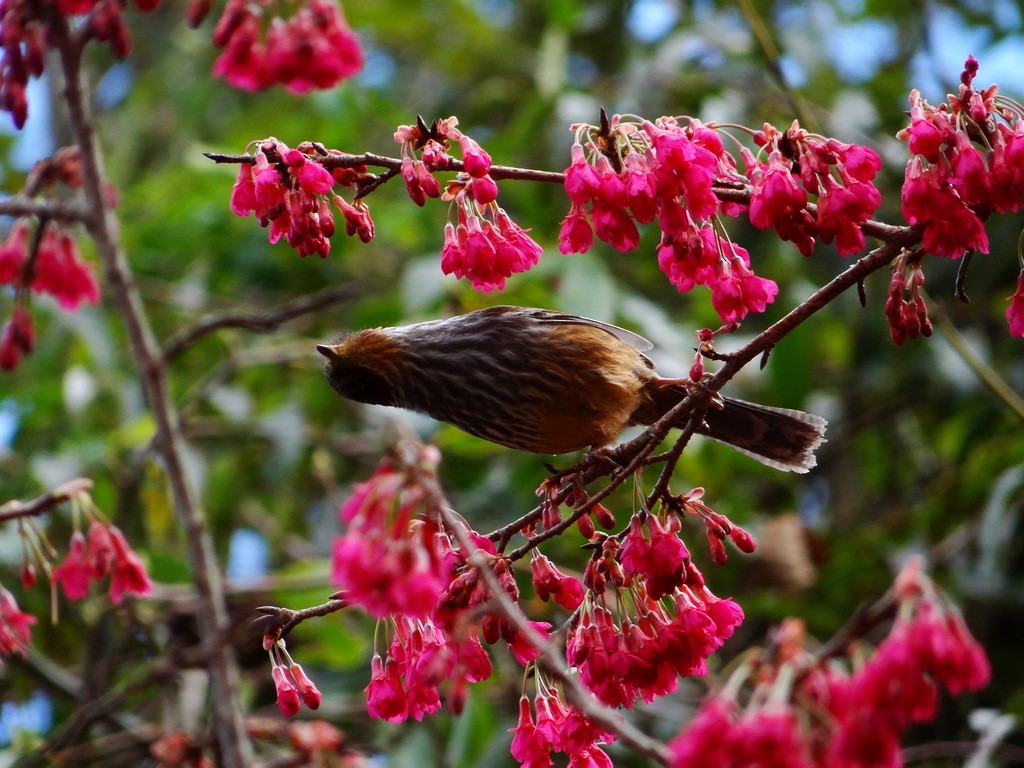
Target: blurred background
(923, 457)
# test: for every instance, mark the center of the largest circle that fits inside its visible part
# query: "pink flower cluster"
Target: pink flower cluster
(834, 718)
(485, 245)
(15, 626)
(396, 563)
(929, 646)
(719, 737)
(906, 311)
(675, 623)
(967, 161)
(558, 727)
(24, 40)
(446, 647)
(289, 191)
(668, 171)
(551, 584)
(90, 558)
(313, 48)
(420, 658)
(800, 164)
(53, 268)
(717, 526)
(392, 558)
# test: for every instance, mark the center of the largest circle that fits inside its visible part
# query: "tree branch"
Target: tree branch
(235, 750)
(14, 509)
(497, 172)
(267, 321)
(57, 210)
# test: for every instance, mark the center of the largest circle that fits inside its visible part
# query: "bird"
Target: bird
(547, 382)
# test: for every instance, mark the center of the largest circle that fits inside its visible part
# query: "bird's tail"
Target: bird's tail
(778, 437)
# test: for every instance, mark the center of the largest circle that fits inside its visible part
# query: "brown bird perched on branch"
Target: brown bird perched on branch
(546, 382)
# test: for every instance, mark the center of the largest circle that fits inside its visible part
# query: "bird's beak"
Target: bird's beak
(327, 351)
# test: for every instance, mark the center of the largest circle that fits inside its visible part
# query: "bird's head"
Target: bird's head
(363, 367)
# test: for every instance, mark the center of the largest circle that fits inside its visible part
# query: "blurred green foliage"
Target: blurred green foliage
(921, 457)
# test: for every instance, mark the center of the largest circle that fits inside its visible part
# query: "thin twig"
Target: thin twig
(264, 322)
(497, 172)
(276, 621)
(897, 238)
(981, 369)
(14, 509)
(773, 59)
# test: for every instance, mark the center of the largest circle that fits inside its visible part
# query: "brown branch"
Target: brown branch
(498, 172)
(897, 238)
(235, 750)
(14, 509)
(58, 210)
(276, 621)
(268, 321)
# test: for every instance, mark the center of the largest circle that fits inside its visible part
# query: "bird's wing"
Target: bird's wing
(635, 340)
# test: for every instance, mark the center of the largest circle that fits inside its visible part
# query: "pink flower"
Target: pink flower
(310, 694)
(924, 139)
(388, 561)
(419, 182)
(550, 582)
(357, 219)
(101, 550)
(575, 236)
(970, 175)
(15, 626)
(287, 694)
(724, 612)
(691, 257)
(128, 575)
(739, 291)
(529, 746)
(582, 180)
(484, 189)
(861, 163)
(73, 572)
(243, 61)
(13, 252)
(1015, 312)
(18, 338)
(385, 696)
(661, 562)
(243, 193)
(841, 209)
(487, 253)
(311, 177)
(776, 194)
(768, 737)
(523, 649)
(475, 160)
(61, 273)
(641, 188)
(705, 741)
(615, 227)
